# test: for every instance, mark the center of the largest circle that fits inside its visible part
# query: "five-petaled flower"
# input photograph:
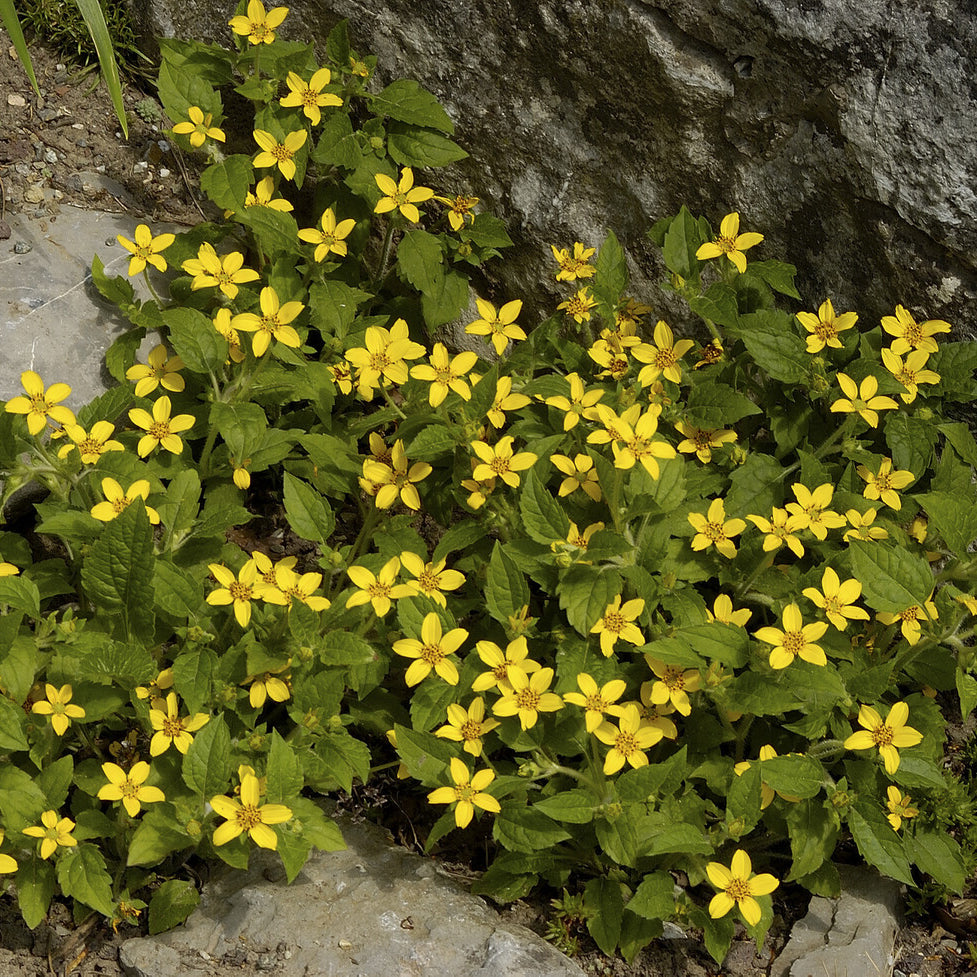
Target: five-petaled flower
(273, 323)
(158, 370)
(862, 399)
(700, 441)
(172, 729)
(402, 196)
(199, 128)
(382, 357)
(467, 793)
(580, 474)
(578, 306)
(309, 95)
(91, 445)
(248, 814)
(430, 579)
(130, 788)
(259, 25)
(431, 652)
(780, 528)
(211, 270)
(730, 243)
(445, 373)
(161, 428)
(673, 685)
(595, 699)
(579, 404)
(722, 611)
(910, 334)
(837, 599)
(117, 500)
(628, 740)
(885, 484)
(332, 238)
(527, 696)
(889, 735)
(811, 509)
(379, 590)
(40, 404)
(467, 726)
(504, 400)
(662, 357)
(796, 639)
(397, 479)
(502, 664)
(909, 373)
(898, 806)
(460, 209)
(573, 266)
(59, 707)
(146, 249)
(500, 325)
(714, 529)
(617, 621)
(54, 832)
(280, 154)
(500, 461)
(909, 618)
(825, 326)
(738, 887)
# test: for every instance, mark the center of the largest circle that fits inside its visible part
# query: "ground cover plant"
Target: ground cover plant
(644, 603)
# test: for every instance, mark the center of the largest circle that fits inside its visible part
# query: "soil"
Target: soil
(65, 147)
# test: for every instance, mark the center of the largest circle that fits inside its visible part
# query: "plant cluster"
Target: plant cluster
(642, 607)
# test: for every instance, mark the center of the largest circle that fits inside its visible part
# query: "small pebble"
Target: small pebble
(163, 173)
(50, 156)
(164, 146)
(110, 242)
(140, 167)
(22, 247)
(48, 115)
(77, 125)
(267, 962)
(100, 168)
(16, 101)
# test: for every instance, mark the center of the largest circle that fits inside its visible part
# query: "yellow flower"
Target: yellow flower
(628, 740)
(505, 400)
(158, 370)
(222, 323)
(722, 611)
(53, 832)
(710, 354)
(40, 404)
(714, 529)
(430, 579)
(617, 621)
(92, 444)
(612, 355)
(656, 716)
(130, 788)
(836, 599)
(580, 474)
(499, 461)
(575, 266)
(700, 441)
(811, 509)
(767, 793)
(639, 443)
(280, 154)
(146, 249)
(171, 728)
(796, 639)
(596, 700)
(377, 590)
(738, 887)
(460, 209)
(161, 429)
(467, 793)
(911, 373)
(909, 619)
(268, 685)
(240, 590)
(332, 238)
(898, 805)
(358, 68)
(258, 26)
(431, 652)
(159, 685)
(662, 357)
(730, 243)
(301, 587)
(199, 129)
(578, 306)
(527, 696)
(273, 323)
(889, 736)
(861, 526)
(502, 664)
(885, 484)
(248, 814)
(825, 326)
(116, 500)
(402, 196)
(397, 479)
(59, 707)
(862, 399)
(210, 270)
(444, 373)
(342, 376)
(309, 96)
(467, 726)
(911, 334)
(674, 684)
(612, 427)
(500, 325)
(264, 196)
(581, 540)
(383, 357)
(780, 528)
(580, 403)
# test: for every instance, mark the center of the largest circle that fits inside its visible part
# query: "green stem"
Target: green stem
(369, 524)
(390, 403)
(384, 255)
(149, 285)
(765, 563)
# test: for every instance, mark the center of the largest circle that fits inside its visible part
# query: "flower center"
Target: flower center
(626, 743)
(595, 703)
(39, 405)
(119, 504)
(883, 736)
(310, 98)
(432, 654)
(527, 699)
(912, 334)
(738, 889)
(428, 582)
(471, 730)
(714, 531)
(89, 446)
(726, 244)
(248, 817)
(499, 465)
(465, 792)
(825, 330)
(883, 482)
(281, 153)
(269, 323)
(910, 613)
(674, 678)
(793, 642)
(129, 789)
(159, 430)
(240, 591)
(665, 358)
(614, 621)
(172, 727)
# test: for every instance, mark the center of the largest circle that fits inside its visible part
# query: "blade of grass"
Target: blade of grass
(94, 19)
(12, 25)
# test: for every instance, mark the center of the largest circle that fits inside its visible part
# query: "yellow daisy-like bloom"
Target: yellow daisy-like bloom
(199, 128)
(445, 373)
(397, 479)
(673, 685)
(780, 528)
(460, 209)
(909, 619)
(885, 484)
(836, 599)
(911, 334)
(730, 243)
(273, 323)
(430, 579)
(502, 664)
(248, 814)
(811, 509)
(402, 196)
(825, 326)
(700, 441)
(240, 590)
(342, 376)
(656, 716)
(258, 26)
(268, 572)
(596, 700)
(573, 266)
(862, 399)
(130, 788)
(767, 793)
(54, 832)
(431, 652)
(40, 404)
(662, 357)
(222, 323)
(467, 726)
(158, 686)
(722, 611)
(280, 154)
(579, 404)
(209, 270)
(146, 249)
(161, 428)
(501, 325)
(579, 306)
(639, 444)
(527, 696)
(628, 740)
(117, 500)
(505, 400)
(92, 444)
(612, 355)
(467, 793)
(738, 887)
(302, 587)
(898, 805)
(714, 529)
(581, 540)
(796, 639)
(382, 358)
(890, 735)
(710, 354)
(617, 621)
(580, 474)
(332, 238)
(612, 426)
(911, 373)
(158, 370)
(172, 729)
(267, 686)
(59, 707)
(861, 526)
(264, 196)
(379, 590)
(500, 461)
(309, 96)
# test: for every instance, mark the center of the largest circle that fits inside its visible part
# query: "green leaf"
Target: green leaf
(892, 578)
(542, 515)
(415, 146)
(193, 672)
(956, 363)
(962, 440)
(178, 510)
(21, 594)
(338, 144)
(13, 727)
(345, 758)
(83, 876)
(584, 593)
(718, 305)
(176, 593)
(911, 441)
(427, 757)
(11, 22)
(446, 300)
(655, 897)
(274, 230)
(458, 537)
(308, 512)
(938, 855)
(526, 829)
(337, 45)
(35, 889)
(179, 89)
(406, 101)
(603, 897)
(434, 441)
(420, 259)
(55, 779)
(122, 353)
(678, 838)
(107, 407)
(569, 806)
(117, 289)
(725, 643)
(333, 306)
(507, 592)
(156, 836)
(195, 339)
(654, 780)
(682, 240)
(880, 846)
(772, 341)
(794, 774)
(285, 778)
(777, 274)
(227, 181)
(610, 270)
(171, 904)
(967, 692)
(94, 18)
(207, 763)
(813, 832)
(713, 405)
(343, 648)
(955, 518)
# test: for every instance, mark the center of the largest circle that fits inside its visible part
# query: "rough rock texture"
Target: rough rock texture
(373, 910)
(845, 130)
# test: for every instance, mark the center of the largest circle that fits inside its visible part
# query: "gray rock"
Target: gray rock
(373, 910)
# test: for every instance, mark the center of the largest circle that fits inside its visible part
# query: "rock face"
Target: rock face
(845, 130)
